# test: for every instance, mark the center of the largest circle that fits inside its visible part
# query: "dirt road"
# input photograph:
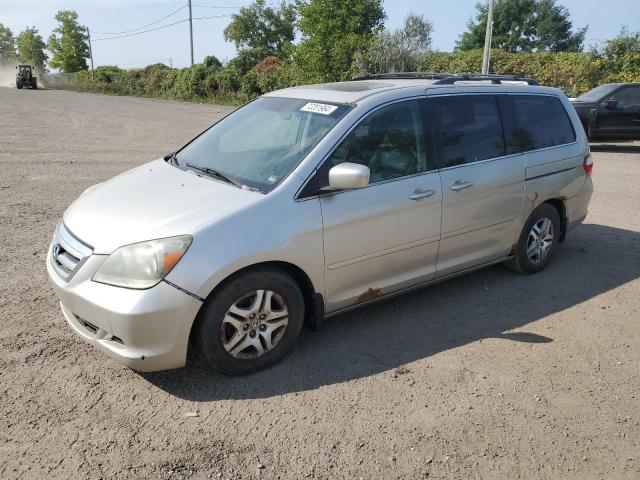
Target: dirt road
(487, 376)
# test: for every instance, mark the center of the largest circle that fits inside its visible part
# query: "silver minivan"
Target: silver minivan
(314, 200)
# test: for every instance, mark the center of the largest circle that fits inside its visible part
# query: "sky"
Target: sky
(171, 45)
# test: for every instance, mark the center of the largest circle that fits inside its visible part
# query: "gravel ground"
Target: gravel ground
(490, 375)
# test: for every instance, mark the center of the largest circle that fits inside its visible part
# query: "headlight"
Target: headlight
(142, 265)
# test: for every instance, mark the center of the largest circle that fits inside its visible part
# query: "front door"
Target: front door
(384, 237)
(624, 119)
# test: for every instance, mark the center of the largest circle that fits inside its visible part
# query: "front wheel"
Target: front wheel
(18, 85)
(250, 323)
(537, 241)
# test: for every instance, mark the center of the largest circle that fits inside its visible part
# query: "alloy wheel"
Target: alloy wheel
(540, 240)
(254, 324)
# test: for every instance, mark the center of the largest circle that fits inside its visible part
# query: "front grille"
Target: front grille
(67, 252)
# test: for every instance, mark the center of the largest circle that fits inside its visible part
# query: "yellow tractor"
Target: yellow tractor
(25, 77)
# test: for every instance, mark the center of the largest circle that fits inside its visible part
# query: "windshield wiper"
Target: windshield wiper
(172, 159)
(215, 173)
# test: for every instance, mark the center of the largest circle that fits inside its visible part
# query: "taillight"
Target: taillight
(587, 164)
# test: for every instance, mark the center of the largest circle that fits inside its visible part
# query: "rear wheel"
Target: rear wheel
(34, 84)
(251, 322)
(537, 241)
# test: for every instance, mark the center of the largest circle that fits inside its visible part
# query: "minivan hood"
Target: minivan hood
(155, 200)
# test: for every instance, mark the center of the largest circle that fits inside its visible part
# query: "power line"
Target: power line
(212, 17)
(230, 6)
(144, 26)
(144, 31)
(216, 6)
(224, 4)
(160, 27)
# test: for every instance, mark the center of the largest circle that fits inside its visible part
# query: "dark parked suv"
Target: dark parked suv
(610, 111)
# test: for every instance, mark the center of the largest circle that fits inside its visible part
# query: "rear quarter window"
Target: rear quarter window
(541, 122)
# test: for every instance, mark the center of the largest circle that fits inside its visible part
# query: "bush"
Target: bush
(240, 80)
(190, 83)
(268, 74)
(152, 79)
(249, 87)
(573, 72)
(104, 74)
(229, 79)
(211, 62)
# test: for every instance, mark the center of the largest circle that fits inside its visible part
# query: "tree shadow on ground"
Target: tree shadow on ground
(484, 304)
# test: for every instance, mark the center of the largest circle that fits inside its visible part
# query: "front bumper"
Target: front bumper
(147, 330)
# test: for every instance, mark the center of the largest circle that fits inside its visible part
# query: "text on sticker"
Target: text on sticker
(321, 108)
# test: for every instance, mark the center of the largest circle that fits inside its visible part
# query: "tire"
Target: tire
(233, 326)
(532, 253)
(18, 85)
(34, 84)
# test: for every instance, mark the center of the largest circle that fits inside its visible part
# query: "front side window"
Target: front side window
(598, 93)
(259, 144)
(468, 128)
(627, 97)
(390, 141)
(542, 122)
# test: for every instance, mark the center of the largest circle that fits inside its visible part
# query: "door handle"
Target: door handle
(460, 185)
(420, 193)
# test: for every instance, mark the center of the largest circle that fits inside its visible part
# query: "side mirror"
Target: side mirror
(610, 104)
(347, 176)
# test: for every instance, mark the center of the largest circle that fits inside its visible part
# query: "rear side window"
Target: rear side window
(542, 122)
(468, 128)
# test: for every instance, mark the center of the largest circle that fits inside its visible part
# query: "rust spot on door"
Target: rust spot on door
(369, 295)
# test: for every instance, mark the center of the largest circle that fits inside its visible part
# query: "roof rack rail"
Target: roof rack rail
(403, 75)
(498, 79)
(448, 78)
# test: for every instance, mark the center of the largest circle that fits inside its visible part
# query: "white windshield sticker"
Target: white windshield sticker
(321, 108)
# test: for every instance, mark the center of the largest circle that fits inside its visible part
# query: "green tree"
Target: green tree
(7, 42)
(400, 50)
(263, 30)
(524, 26)
(625, 42)
(68, 43)
(31, 48)
(333, 32)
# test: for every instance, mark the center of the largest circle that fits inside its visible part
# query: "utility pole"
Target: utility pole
(486, 56)
(191, 31)
(90, 51)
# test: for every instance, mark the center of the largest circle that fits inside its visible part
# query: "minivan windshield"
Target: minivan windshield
(597, 93)
(259, 144)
